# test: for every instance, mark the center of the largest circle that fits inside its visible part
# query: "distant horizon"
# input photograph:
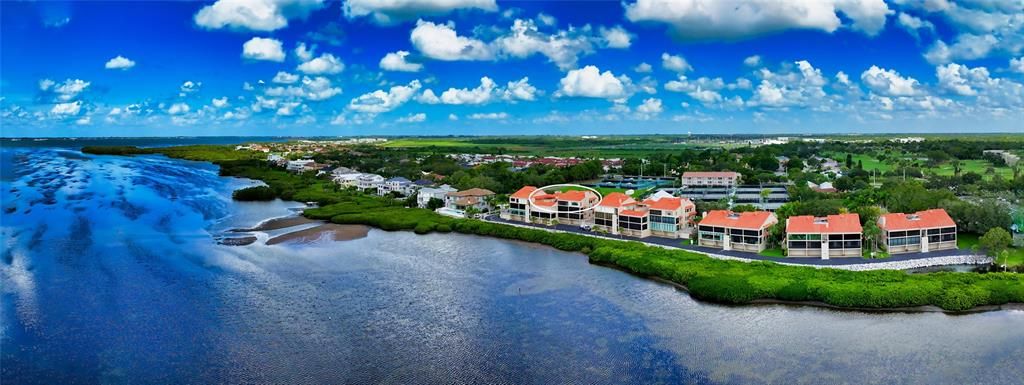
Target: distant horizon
(767, 135)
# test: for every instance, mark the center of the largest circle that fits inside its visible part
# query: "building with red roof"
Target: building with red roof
(728, 230)
(825, 237)
(568, 207)
(710, 179)
(919, 232)
(670, 217)
(608, 216)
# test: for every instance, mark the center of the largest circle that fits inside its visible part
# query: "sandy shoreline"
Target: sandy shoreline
(277, 224)
(334, 231)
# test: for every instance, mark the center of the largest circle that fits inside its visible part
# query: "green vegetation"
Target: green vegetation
(254, 193)
(706, 278)
(774, 252)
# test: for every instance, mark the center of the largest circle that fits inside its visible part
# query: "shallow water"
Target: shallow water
(110, 274)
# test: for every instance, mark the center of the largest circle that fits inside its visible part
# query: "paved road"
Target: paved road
(678, 243)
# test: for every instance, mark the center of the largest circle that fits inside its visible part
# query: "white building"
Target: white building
(428, 193)
(299, 165)
(368, 181)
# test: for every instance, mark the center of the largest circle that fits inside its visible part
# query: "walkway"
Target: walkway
(679, 244)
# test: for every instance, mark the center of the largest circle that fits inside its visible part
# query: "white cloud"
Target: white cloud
(67, 90)
(752, 61)
(190, 86)
(382, 101)
(45, 84)
(303, 52)
(395, 61)
(318, 88)
(704, 89)
(283, 77)
(259, 48)
(119, 63)
(489, 116)
(912, 24)
(796, 84)
(1017, 65)
(650, 106)
(889, 82)
(219, 102)
(428, 97)
(675, 63)
(441, 42)
(388, 12)
(178, 109)
(453, 117)
(325, 64)
(84, 121)
(731, 20)
(643, 68)
(590, 82)
(616, 37)
(289, 109)
(484, 93)
(954, 77)
(563, 48)
(520, 90)
(413, 118)
(966, 47)
(256, 15)
(67, 109)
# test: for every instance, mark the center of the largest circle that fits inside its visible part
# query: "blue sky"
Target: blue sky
(465, 67)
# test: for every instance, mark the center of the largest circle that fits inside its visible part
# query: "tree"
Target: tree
(435, 203)
(995, 241)
(849, 161)
(765, 193)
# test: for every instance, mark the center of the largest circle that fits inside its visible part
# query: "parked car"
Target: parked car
(586, 227)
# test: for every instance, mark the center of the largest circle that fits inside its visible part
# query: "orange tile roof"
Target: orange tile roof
(633, 213)
(925, 220)
(573, 195)
(832, 224)
(473, 192)
(753, 220)
(616, 199)
(710, 174)
(524, 192)
(668, 203)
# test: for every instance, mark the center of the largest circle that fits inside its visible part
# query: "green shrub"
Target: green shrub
(254, 193)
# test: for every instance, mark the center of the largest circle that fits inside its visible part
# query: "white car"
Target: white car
(585, 227)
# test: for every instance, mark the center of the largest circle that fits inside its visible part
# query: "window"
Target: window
(851, 244)
(797, 245)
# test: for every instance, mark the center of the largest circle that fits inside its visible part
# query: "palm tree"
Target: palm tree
(765, 193)
(956, 167)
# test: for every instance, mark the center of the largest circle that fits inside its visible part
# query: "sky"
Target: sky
(487, 67)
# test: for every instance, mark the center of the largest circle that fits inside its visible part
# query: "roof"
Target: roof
(524, 192)
(473, 192)
(920, 220)
(667, 203)
(616, 199)
(832, 224)
(633, 213)
(753, 220)
(710, 174)
(423, 182)
(573, 195)
(399, 179)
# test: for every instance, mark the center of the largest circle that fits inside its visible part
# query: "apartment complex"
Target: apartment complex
(824, 237)
(727, 230)
(568, 207)
(923, 231)
(710, 179)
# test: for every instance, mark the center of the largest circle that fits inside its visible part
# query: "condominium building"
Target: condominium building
(727, 230)
(567, 207)
(824, 237)
(920, 232)
(607, 212)
(669, 217)
(710, 179)
(519, 204)
(574, 206)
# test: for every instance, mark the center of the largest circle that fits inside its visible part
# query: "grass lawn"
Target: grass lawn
(773, 252)
(1016, 257)
(972, 165)
(608, 190)
(869, 161)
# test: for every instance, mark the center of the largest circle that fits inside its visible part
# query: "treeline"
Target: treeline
(254, 193)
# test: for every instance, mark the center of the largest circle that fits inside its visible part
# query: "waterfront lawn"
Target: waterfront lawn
(966, 241)
(775, 252)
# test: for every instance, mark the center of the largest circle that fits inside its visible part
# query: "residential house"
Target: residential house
(277, 160)
(923, 231)
(710, 179)
(824, 187)
(474, 197)
(428, 193)
(369, 181)
(727, 230)
(824, 237)
(300, 165)
(348, 180)
(519, 206)
(400, 185)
